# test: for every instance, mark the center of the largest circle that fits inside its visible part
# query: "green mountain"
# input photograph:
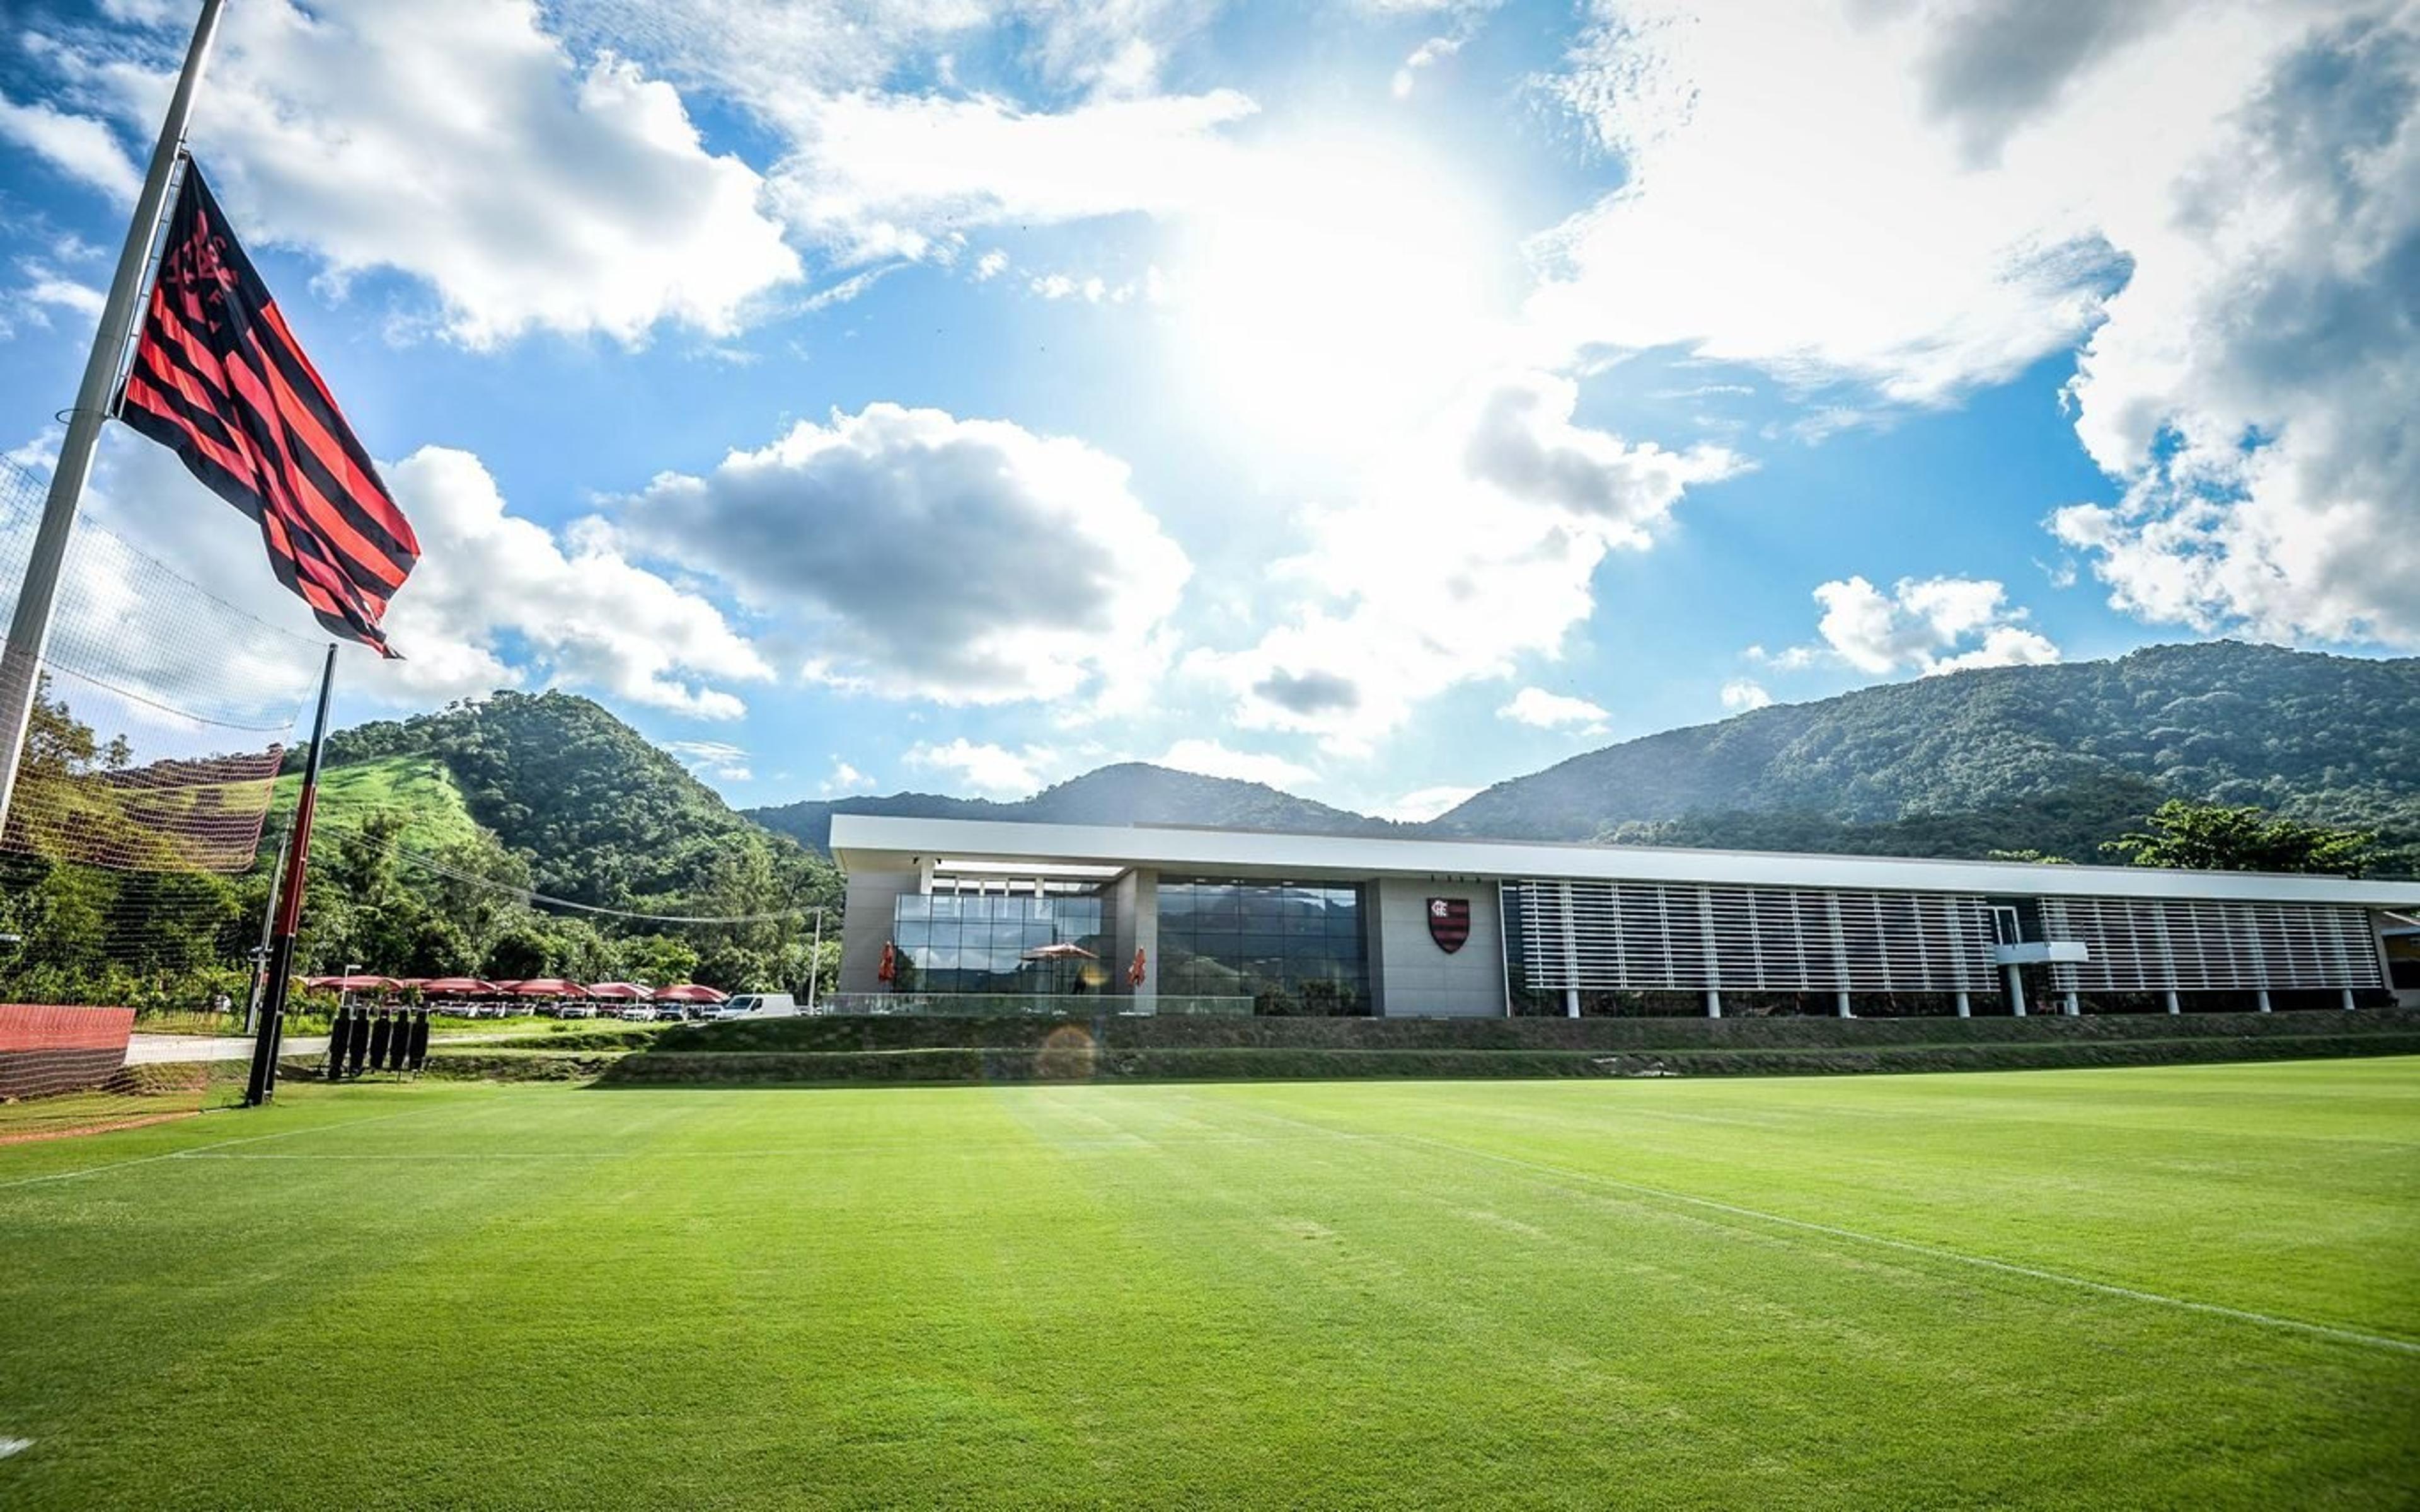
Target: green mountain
(599, 814)
(2055, 759)
(1129, 793)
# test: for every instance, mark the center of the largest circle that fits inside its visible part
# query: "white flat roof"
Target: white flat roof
(873, 842)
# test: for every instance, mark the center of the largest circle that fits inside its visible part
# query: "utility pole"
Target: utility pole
(29, 630)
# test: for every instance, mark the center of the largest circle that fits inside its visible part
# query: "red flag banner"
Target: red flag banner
(220, 380)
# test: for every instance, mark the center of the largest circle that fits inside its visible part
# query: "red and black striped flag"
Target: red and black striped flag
(220, 380)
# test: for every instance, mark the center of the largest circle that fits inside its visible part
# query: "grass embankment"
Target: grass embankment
(808, 1051)
(2171, 1287)
(417, 787)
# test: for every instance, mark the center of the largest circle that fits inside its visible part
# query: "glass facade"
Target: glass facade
(968, 942)
(1291, 949)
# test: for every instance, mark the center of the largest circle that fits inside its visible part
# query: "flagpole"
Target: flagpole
(263, 1085)
(29, 629)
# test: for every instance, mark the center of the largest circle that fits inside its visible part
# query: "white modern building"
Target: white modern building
(1171, 920)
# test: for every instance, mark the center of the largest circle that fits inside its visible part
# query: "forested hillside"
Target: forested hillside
(2055, 757)
(431, 825)
(601, 815)
(1130, 793)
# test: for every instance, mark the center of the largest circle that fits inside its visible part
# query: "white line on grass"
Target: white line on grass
(2346, 1335)
(14, 1446)
(197, 1150)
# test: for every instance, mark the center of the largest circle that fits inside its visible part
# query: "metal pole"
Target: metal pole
(816, 961)
(260, 955)
(29, 630)
(263, 1085)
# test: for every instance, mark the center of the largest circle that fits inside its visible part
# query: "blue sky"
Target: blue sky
(1380, 398)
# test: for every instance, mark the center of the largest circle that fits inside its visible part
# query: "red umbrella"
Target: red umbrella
(633, 990)
(690, 992)
(352, 984)
(461, 987)
(544, 987)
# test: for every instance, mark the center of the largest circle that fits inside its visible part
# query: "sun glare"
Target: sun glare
(1340, 300)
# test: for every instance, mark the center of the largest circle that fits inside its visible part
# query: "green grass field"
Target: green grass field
(2184, 1287)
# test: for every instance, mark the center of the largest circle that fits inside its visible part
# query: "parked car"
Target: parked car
(671, 1014)
(758, 1005)
(636, 1013)
(575, 1011)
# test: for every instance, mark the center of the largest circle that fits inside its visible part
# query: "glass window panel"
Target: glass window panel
(945, 905)
(913, 905)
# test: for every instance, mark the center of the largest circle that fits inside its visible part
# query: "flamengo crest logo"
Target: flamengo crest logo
(1449, 923)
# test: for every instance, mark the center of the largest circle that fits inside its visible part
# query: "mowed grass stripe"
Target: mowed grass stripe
(1159, 1296)
(1563, 1175)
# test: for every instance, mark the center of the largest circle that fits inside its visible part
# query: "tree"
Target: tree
(2217, 837)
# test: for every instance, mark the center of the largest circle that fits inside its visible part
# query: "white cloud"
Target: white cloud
(44, 291)
(992, 771)
(1468, 552)
(1921, 625)
(1741, 694)
(990, 265)
(2255, 387)
(1423, 804)
(455, 141)
(574, 608)
(496, 601)
(768, 57)
(1542, 710)
(846, 779)
(966, 560)
(77, 146)
(886, 176)
(717, 758)
(1912, 200)
(1210, 759)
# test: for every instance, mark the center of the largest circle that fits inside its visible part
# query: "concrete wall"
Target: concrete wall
(867, 927)
(1414, 978)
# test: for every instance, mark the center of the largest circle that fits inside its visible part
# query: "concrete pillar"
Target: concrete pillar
(2074, 1007)
(1714, 1003)
(1965, 1007)
(2264, 1000)
(2345, 994)
(2016, 989)
(1840, 1002)
(1571, 1002)
(2169, 997)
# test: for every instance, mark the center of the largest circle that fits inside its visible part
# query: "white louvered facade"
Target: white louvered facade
(2139, 946)
(1607, 936)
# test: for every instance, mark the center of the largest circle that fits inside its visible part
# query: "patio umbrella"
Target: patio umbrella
(459, 987)
(1061, 950)
(690, 992)
(634, 991)
(544, 987)
(352, 984)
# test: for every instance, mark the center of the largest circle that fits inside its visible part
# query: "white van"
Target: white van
(759, 1006)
